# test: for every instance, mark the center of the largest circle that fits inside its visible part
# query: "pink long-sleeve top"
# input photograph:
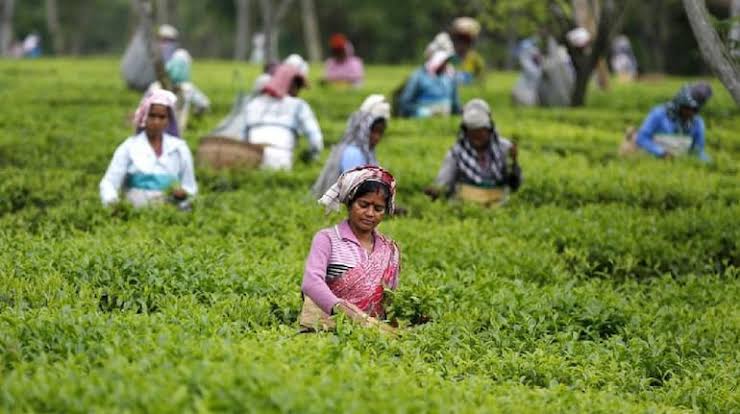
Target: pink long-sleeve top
(350, 70)
(334, 251)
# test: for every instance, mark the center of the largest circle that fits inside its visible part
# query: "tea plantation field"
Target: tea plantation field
(606, 285)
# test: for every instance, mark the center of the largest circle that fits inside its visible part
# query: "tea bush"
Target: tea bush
(605, 285)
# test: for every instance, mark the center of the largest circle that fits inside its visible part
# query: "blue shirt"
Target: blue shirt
(658, 122)
(352, 157)
(424, 88)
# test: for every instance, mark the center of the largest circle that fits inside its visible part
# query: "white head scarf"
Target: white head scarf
(476, 114)
(377, 105)
(299, 63)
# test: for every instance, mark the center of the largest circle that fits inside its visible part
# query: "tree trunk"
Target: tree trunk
(241, 39)
(735, 31)
(6, 26)
(146, 14)
(162, 12)
(585, 13)
(585, 61)
(271, 17)
(311, 30)
(712, 49)
(52, 23)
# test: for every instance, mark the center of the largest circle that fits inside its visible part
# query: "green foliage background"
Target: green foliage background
(606, 285)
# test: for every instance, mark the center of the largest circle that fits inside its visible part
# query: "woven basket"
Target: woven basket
(487, 196)
(220, 153)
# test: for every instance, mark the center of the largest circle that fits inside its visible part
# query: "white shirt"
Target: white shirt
(136, 156)
(276, 123)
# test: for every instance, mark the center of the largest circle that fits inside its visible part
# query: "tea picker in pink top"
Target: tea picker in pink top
(343, 67)
(351, 264)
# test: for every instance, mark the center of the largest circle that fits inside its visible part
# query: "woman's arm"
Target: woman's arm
(314, 276)
(646, 132)
(114, 175)
(698, 144)
(447, 174)
(187, 174)
(308, 124)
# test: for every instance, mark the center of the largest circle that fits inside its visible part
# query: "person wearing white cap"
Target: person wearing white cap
(299, 63)
(469, 64)
(481, 166)
(365, 129)
(167, 35)
(431, 90)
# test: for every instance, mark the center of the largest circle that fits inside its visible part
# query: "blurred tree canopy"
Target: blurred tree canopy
(382, 31)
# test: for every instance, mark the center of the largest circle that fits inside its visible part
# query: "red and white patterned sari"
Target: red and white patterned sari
(364, 284)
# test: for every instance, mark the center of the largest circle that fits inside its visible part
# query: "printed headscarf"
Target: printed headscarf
(346, 186)
(157, 97)
(684, 98)
(281, 80)
(701, 92)
(466, 157)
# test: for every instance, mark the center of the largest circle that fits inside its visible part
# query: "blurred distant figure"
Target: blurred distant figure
(32, 46)
(558, 74)
(675, 128)
(258, 49)
(482, 166)
(530, 59)
(275, 117)
(469, 64)
(343, 67)
(431, 90)
(153, 167)
(365, 129)
(547, 79)
(178, 64)
(168, 43)
(623, 61)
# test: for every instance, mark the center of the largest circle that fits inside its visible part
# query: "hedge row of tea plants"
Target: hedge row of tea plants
(605, 284)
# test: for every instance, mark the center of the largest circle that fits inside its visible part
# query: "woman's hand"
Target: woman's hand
(432, 192)
(358, 316)
(513, 152)
(179, 194)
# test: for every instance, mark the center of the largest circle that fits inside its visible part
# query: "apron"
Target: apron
(674, 144)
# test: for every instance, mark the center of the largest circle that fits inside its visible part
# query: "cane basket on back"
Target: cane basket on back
(222, 153)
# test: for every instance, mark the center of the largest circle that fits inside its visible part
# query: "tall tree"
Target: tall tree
(585, 60)
(311, 30)
(146, 16)
(735, 30)
(715, 52)
(271, 17)
(241, 37)
(163, 12)
(54, 27)
(6, 26)
(585, 13)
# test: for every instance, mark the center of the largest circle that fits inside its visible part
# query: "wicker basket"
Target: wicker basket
(220, 153)
(490, 197)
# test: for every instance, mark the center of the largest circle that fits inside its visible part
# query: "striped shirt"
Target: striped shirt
(334, 251)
